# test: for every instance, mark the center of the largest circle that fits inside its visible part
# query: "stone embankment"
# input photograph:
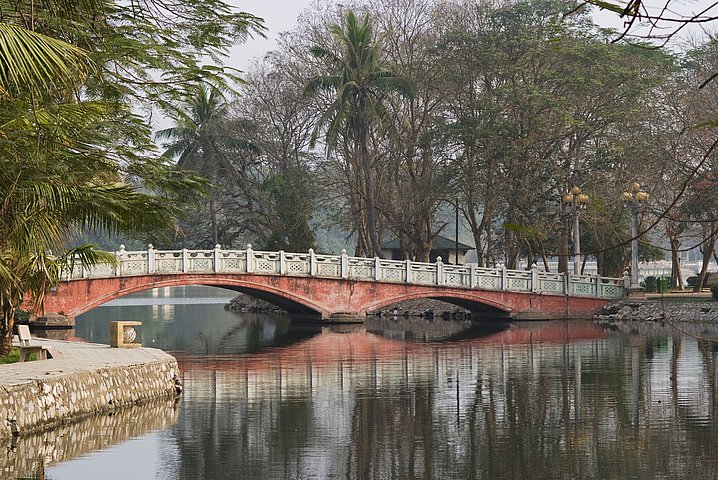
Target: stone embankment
(28, 455)
(654, 310)
(84, 379)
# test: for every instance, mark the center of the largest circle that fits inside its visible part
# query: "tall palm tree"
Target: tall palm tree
(359, 82)
(199, 142)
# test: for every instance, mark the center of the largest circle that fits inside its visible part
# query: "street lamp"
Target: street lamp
(634, 198)
(577, 202)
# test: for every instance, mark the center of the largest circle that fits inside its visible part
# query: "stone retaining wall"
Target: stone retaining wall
(44, 404)
(28, 455)
(696, 312)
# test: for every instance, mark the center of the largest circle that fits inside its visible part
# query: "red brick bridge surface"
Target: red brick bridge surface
(330, 299)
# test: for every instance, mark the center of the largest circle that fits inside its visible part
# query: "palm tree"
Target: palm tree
(200, 143)
(359, 82)
(55, 175)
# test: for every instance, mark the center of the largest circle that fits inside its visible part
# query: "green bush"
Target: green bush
(692, 281)
(650, 284)
(714, 290)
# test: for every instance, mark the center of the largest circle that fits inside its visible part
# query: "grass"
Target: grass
(13, 357)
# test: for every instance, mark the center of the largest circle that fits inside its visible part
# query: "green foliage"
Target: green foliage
(73, 156)
(12, 357)
(650, 283)
(714, 291)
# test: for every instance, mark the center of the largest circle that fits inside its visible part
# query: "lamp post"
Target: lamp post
(577, 203)
(634, 198)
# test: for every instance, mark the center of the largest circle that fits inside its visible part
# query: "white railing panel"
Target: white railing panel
(488, 278)
(267, 263)
(233, 261)
(361, 268)
(551, 283)
(200, 261)
(518, 281)
(329, 266)
(297, 264)
(392, 271)
(582, 286)
(134, 263)
(168, 261)
(456, 276)
(423, 273)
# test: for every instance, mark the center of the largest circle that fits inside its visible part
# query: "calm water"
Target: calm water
(403, 399)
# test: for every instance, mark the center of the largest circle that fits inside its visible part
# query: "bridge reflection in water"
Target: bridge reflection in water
(537, 400)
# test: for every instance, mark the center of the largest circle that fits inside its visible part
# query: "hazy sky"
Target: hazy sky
(279, 16)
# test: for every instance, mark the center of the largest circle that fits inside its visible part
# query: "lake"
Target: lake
(401, 398)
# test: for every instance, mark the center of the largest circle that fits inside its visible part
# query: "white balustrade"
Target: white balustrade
(218, 260)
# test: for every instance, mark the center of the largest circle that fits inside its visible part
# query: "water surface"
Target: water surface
(409, 398)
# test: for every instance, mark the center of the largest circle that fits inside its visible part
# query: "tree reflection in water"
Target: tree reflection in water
(405, 399)
(534, 401)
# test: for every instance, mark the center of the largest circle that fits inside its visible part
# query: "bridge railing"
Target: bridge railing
(310, 264)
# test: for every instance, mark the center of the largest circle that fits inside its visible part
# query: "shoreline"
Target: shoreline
(84, 380)
(696, 309)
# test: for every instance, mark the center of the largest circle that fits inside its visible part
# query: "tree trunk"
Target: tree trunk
(7, 322)
(707, 249)
(676, 272)
(368, 190)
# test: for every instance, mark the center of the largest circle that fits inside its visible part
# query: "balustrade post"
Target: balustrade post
(472, 276)
(566, 283)
(282, 263)
(150, 259)
(377, 268)
(185, 260)
(312, 263)
(626, 282)
(120, 257)
(534, 278)
(85, 271)
(439, 271)
(598, 286)
(407, 276)
(250, 258)
(344, 267)
(504, 278)
(217, 258)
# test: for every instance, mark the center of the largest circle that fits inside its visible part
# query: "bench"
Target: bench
(26, 348)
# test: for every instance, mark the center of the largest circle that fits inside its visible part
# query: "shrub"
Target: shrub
(692, 281)
(650, 284)
(714, 290)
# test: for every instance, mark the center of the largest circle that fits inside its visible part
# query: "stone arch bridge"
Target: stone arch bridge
(337, 287)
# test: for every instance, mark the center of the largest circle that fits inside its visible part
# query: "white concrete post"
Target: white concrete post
(120, 256)
(472, 276)
(312, 263)
(439, 271)
(217, 258)
(504, 278)
(344, 267)
(377, 268)
(250, 258)
(185, 260)
(407, 277)
(282, 263)
(534, 278)
(598, 286)
(566, 283)
(150, 259)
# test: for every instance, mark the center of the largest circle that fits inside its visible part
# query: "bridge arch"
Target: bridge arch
(289, 301)
(469, 300)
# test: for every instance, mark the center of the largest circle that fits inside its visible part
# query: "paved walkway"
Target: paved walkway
(76, 357)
